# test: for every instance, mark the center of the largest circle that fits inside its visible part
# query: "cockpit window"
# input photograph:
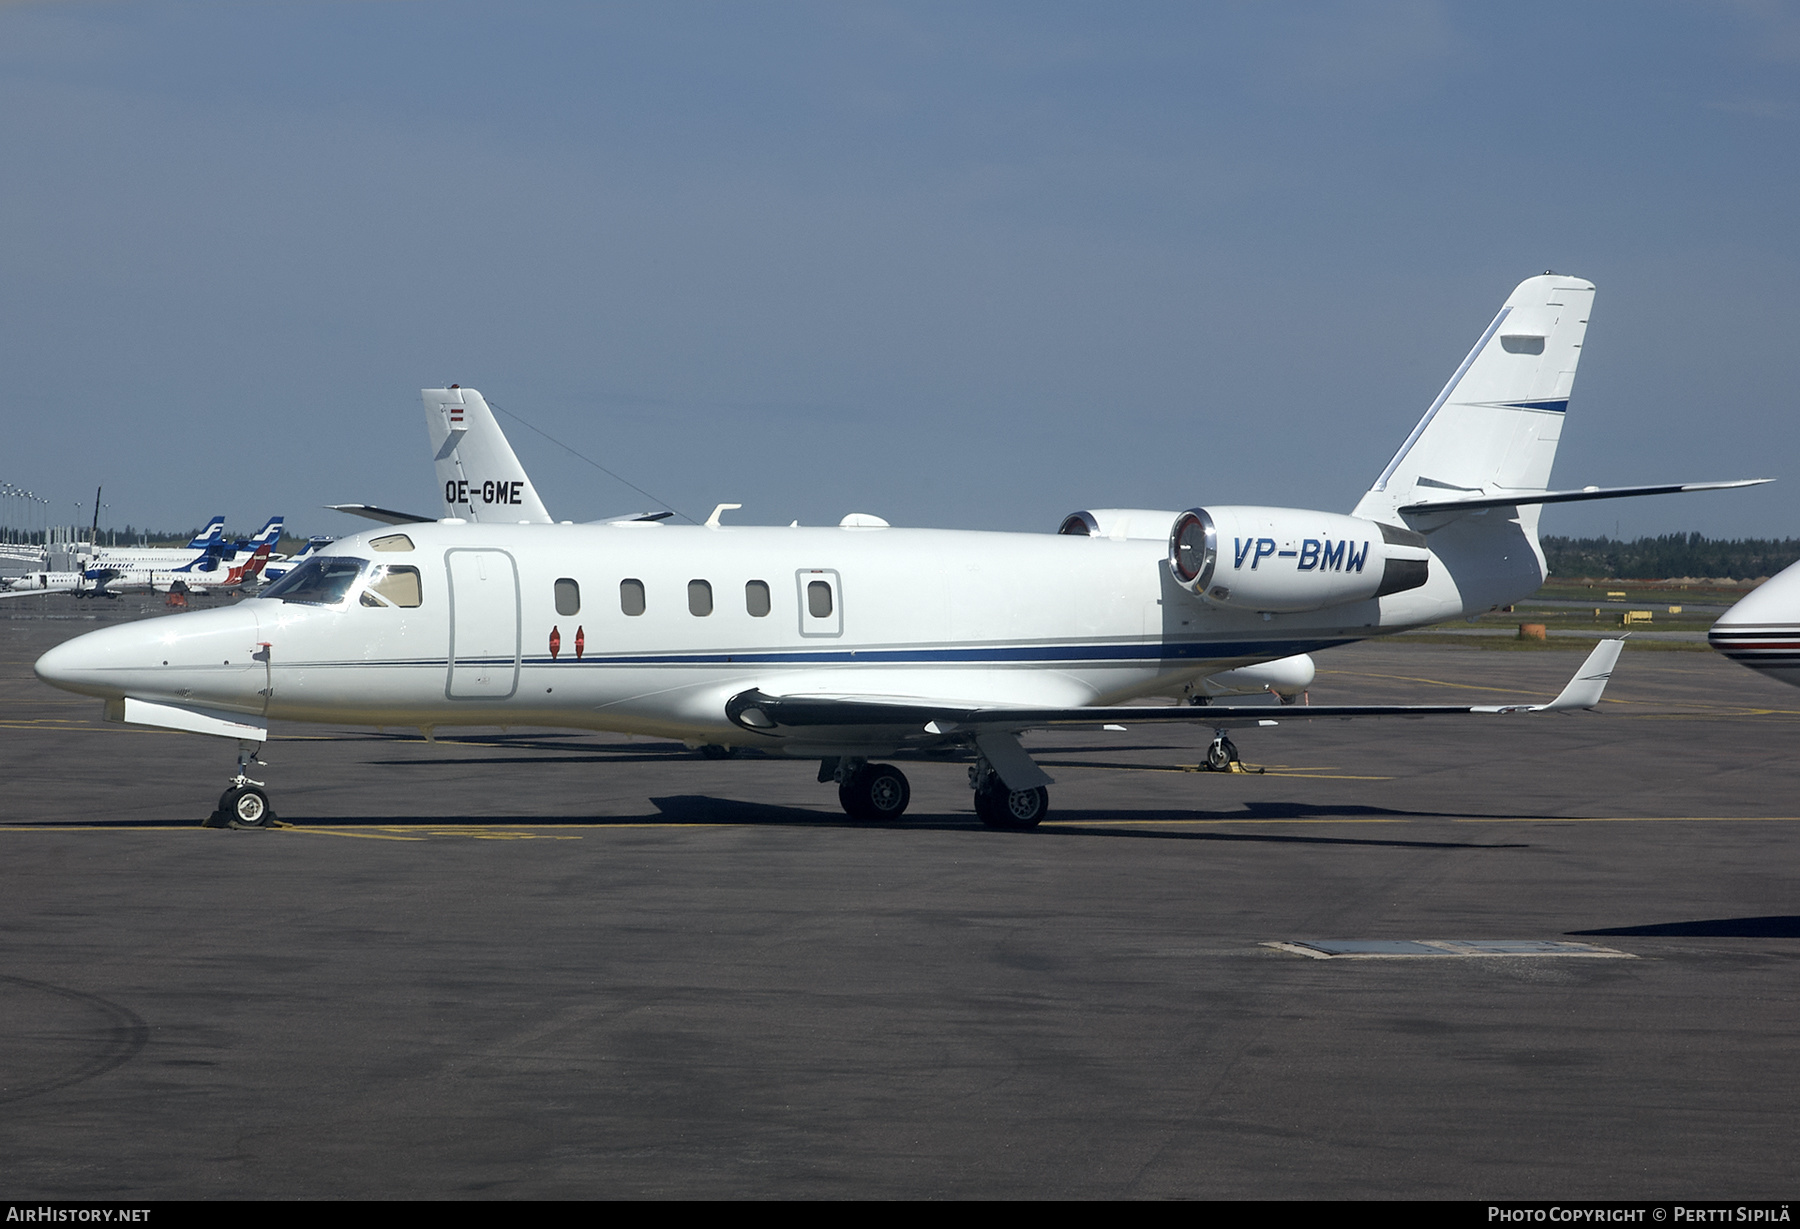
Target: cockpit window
(393, 586)
(323, 580)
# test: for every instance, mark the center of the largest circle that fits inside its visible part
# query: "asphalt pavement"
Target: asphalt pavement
(540, 964)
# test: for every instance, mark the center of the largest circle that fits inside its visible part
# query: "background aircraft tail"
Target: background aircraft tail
(478, 476)
(214, 532)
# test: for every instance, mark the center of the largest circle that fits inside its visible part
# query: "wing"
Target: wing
(901, 720)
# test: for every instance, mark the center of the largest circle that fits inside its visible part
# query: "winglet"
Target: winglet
(1583, 691)
(1589, 683)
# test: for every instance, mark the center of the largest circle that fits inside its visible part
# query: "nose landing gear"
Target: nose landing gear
(1222, 754)
(244, 804)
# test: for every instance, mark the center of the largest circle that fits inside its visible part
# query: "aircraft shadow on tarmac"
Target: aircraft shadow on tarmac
(1713, 928)
(701, 809)
(681, 809)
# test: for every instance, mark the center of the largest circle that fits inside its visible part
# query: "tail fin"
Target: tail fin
(247, 572)
(479, 476)
(269, 533)
(1495, 427)
(214, 532)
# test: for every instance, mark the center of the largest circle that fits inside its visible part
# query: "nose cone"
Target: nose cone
(203, 656)
(1763, 630)
(92, 664)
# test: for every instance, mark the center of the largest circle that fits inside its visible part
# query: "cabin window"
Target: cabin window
(568, 597)
(631, 596)
(399, 586)
(393, 541)
(699, 598)
(756, 598)
(818, 599)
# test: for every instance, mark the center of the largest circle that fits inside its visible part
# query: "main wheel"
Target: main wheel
(712, 751)
(1000, 807)
(875, 791)
(247, 807)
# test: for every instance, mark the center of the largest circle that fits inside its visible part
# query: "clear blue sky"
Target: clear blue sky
(957, 265)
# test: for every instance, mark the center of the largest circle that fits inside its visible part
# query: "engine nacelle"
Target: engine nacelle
(1289, 559)
(1120, 523)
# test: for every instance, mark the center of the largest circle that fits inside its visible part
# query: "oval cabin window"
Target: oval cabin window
(631, 597)
(756, 598)
(568, 597)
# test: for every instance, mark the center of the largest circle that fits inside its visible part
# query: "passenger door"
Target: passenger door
(484, 624)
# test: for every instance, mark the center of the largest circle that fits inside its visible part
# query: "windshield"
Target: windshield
(324, 580)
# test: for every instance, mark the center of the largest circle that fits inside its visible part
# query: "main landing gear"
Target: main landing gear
(870, 791)
(880, 791)
(245, 804)
(1000, 807)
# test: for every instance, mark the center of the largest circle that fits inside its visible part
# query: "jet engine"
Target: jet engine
(1289, 559)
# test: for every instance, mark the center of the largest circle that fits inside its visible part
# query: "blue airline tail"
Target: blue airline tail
(213, 534)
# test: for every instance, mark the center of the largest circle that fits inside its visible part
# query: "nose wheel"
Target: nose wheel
(245, 803)
(1222, 754)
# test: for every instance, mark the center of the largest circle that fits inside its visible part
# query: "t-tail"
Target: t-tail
(1474, 474)
(478, 475)
(1492, 431)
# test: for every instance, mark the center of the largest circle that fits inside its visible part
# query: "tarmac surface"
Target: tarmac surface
(555, 965)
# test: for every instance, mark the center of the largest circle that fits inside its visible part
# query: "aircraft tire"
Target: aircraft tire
(712, 751)
(875, 792)
(1014, 810)
(1220, 755)
(246, 806)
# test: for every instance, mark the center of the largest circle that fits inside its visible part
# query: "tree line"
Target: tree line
(1669, 555)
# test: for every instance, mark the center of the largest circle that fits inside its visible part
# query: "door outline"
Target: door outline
(512, 565)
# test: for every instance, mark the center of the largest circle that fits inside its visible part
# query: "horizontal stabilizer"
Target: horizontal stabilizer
(1518, 498)
(385, 515)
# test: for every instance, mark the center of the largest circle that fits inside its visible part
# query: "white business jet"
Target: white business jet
(1763, 630)
(845, 644)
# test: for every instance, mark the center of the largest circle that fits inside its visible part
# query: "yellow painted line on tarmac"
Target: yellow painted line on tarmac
(1166, 823)
(1683, 710)
(1410, 678)
(366, 836)
(1636, 819)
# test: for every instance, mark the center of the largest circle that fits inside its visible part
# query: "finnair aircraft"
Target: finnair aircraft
(844, 644)
(100, 563)
(208, 542)
(1763, 630)
(210, 570)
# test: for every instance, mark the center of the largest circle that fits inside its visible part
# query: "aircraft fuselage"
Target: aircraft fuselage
(652, 628)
